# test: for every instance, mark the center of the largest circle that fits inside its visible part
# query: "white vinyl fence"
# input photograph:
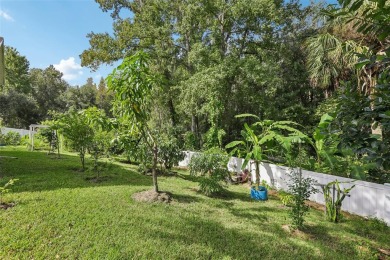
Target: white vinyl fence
(22, 132)
(366, 199)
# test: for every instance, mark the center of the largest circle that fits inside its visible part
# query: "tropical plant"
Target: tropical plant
(260, 140)
(334, 197)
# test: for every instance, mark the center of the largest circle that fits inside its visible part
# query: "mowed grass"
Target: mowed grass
(60, 215)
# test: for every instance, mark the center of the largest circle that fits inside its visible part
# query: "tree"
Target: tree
(48, 90)
(104, 97)
(16, 71)
(18, 110)
(76, 129)
(219, 59)
(102, 135)
(134, 87)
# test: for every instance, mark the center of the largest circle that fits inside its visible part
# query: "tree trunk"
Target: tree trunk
(82, 158)
(257, 163)
(58, 144)
(154, 167)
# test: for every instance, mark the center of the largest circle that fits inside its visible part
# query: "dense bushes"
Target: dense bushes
(10, 138)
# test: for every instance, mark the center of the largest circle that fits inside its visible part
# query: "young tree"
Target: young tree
(75, 127)
(133, 86)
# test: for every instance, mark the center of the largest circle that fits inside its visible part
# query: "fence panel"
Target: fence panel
(366, 199)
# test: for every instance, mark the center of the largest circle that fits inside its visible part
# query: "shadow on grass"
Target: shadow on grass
(37, 171)
(216, 241)
(181, 198)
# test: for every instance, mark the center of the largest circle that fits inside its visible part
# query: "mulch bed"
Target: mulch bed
(152, 196)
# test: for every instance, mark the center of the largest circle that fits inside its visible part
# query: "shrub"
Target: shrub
(12, 138)
(301, 188)
(212, 167)
(169, 152)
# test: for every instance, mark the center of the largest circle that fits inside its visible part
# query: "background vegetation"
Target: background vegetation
(216, 59)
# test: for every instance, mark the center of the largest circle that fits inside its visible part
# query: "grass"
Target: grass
(58, 214)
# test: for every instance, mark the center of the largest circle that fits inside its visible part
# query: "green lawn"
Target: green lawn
(58, 214)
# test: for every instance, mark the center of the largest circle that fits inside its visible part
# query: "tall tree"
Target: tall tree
(48, 89)
(104, 97)
(18, 110)
(16, 71)
(218, 58)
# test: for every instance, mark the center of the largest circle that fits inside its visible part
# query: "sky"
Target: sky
(53, 32)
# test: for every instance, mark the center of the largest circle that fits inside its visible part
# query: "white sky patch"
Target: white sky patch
(70, 68)
(6, 16)
(98, 76)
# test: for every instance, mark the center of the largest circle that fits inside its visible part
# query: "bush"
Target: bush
(169, 152)
(11, 138)
(212, 167)
(301, 188)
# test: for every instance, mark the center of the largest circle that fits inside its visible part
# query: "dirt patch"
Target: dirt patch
(315, 205)
(296, 232)
(6, 205)
(152, 196)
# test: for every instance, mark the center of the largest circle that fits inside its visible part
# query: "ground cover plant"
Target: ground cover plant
(58, 214)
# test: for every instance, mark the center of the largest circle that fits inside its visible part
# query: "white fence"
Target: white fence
(366, 199)
(22, 132)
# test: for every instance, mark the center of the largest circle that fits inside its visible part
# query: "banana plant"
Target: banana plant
(334, 200)
(262, 137)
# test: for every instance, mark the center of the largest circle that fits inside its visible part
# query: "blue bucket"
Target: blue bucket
(260, 194)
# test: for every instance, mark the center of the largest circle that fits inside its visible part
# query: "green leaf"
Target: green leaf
(247, 115)
(234, 143)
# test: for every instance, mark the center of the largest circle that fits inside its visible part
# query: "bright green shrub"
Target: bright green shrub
(212, 167)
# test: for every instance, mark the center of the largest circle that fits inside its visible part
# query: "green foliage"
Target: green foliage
(190, 141)
(262, 139)
(75, 127)
(212, 167)
(100, 142)
(197, 226)
(301, 188)
(17, 110)
(48, 91)
(134, 85)
(334, 197)
(286, 198)
(213, 137)
(10, 138)
(169, 152)
(16, 71)
(5, 189)
(50, 136)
